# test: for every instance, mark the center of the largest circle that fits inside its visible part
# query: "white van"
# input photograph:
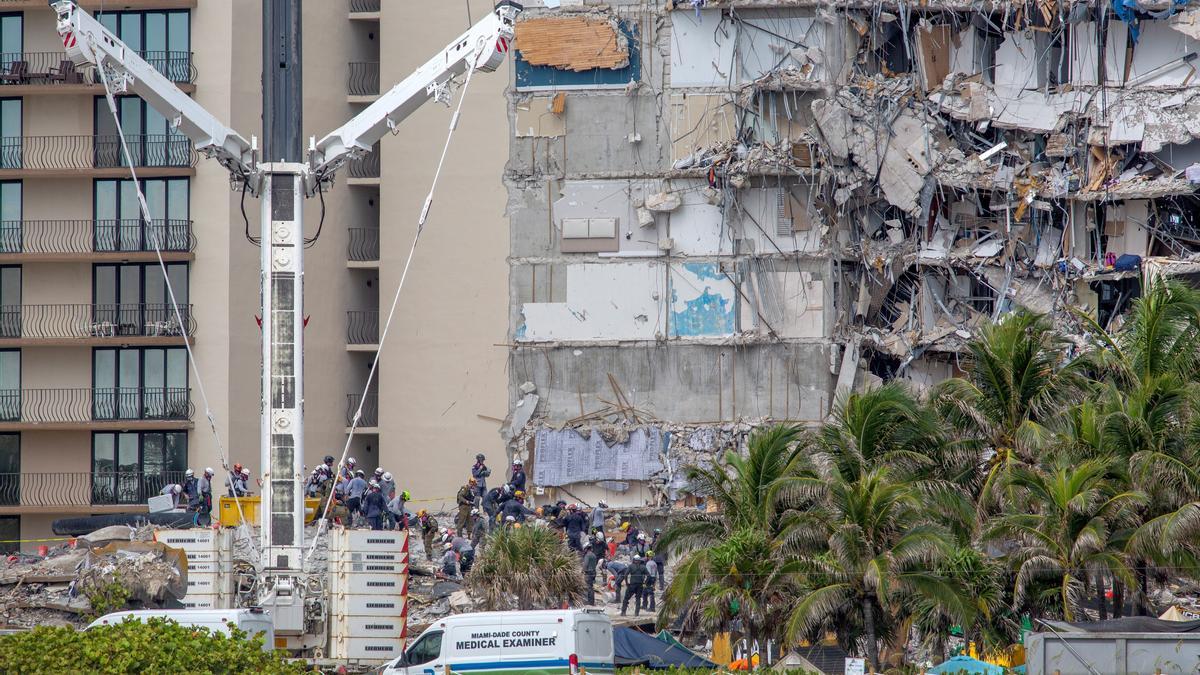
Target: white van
(252, 621)
(533, 643)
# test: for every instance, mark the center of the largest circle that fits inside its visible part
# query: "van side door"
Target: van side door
(425, 654)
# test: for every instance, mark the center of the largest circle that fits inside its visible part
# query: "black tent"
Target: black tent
(634, 648)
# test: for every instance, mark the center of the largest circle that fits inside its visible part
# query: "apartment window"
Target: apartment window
(10, 301)
(139, 383)
(117, 220)
(10, 470)
(11, 239)
(151, 140)
(10, 532)
(10, 385)
(162, 38)
(132, 299)
(10, 133)
(12, 38)
(128, 468)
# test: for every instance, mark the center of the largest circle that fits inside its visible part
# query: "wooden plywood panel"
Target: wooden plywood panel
(572, 43)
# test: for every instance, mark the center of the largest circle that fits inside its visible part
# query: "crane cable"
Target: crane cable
(187, 343)
(391, 312)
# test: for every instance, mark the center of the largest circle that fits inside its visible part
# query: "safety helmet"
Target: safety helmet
(561, 502)
(374, 485)
(510, 519)
(508, 487)
(479, 457)
(442, 530)
(448, 546)
(472, 481)
(572, 507)
(237, 467)
(649, 554)
(657, 531)
(602, 504)
(637, 558)
(641, 536)
(474, 512)
(177, 488)
(519, 494)
(329, 459)
(608, 540)
(359, 473)
(387, 475)
(378, 471)
(422, 513)
(350, 461)
(599, 536)
(625, 525)
(245, 472)
(517, 461)
(208, 471)
(406, 496)
(189, 473)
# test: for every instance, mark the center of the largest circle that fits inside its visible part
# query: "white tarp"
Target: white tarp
(565, 457)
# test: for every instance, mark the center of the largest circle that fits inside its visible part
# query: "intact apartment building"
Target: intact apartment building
(98, 405)
(727, 213)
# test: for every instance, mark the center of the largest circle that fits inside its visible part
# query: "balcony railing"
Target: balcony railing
(364, 78)
(80, 406)
(53, 68)
(365, 167)
(364, 244)
(94, 321)
(83, 488)
(95, 152)
(362, 327)
(364, 6)
(95, 236)
(370, 410)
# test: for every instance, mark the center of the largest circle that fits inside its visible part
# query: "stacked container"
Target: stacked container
(368, 584)
(210, 565)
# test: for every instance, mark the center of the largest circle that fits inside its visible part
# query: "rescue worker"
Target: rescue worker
(491, 505)
(575, 524)
(589, 575)
(639, 545)
(465, 500)
(518, 475)
(174, 489)
(429, 528)
(599, 545)
(660, 560)
(387, 487)
(618, 570)
(397, 510)
(480, 472)
(204, 489)
(479, 528)
(190, 495)
(466, 552)
(313, 485)
(235, 481)
(246, 482)
(354, 493)
(510, 522)
(598, 516)
(651, 578)
(374, 506)
(515, 508)
(635, 579)
(449, 561)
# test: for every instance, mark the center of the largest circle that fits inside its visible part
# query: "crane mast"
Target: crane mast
(281, 178)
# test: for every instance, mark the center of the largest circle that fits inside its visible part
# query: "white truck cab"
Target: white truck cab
(549, 642)
(252, 621)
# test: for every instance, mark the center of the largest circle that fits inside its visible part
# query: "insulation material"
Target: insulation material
(616, 301)
(702, 49)
(1158, 57)
(535, 117)
(700, 121)
(563, 457)
(572, 43)
(703, 301)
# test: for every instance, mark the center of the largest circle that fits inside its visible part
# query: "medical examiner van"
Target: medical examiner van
(534, 643)
(252, 621)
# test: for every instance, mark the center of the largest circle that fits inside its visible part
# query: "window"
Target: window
(132, 299)
(117, 220)
(10, 301)
(10, 217)
(12, 39)
(10, 133)
(129, 468)
(428, 648)
(139, 383)
(151, 140)
(162, 38)
(10, 470)
(10, 531)
(10, 385)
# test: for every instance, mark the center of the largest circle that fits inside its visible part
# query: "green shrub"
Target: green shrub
(638, 670)
(156, 646)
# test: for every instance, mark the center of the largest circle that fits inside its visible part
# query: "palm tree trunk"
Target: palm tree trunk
(1118, 598)
(1142, 601)
(1101, 603)
(869, 628)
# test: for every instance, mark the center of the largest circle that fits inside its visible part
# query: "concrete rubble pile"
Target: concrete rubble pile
(754, 206)
(55, 589)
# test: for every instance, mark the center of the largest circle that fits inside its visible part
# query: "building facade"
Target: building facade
(99, 407)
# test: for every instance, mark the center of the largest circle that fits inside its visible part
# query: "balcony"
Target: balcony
(365, 9)
(370, 410)
(94, 324)
(98, 156)
(80, 490)
(54, 73)
(95, 240)
(362, 330)
(93, 5)
(364, 170)
(363, 83)
(102, 408)
(363, 247)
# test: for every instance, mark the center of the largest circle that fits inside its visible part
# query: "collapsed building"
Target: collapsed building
(729, 212)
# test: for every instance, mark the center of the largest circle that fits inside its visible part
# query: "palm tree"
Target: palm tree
(1067, 535)
(526, 568)
(1017, 383)
(880, 550)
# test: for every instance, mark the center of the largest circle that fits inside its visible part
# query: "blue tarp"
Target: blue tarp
(966, 664)
(635, 648)
(1127, 11)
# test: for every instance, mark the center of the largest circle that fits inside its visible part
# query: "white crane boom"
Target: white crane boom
(88, 43)
(482, 47)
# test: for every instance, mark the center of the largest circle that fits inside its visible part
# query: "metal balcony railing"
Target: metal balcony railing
(364, 244)
(364, 78)
(54, 68)
(69, 406)
(95, 152)
(365, 167)
(94, 321)
(362, 327)
(83, 488)
(370, 409)
(95, 236)
(364, 6)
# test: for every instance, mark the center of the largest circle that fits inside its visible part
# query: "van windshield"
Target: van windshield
(428, 648)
